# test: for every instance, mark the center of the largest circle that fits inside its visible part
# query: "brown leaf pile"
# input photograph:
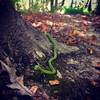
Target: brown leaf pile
(65, 28)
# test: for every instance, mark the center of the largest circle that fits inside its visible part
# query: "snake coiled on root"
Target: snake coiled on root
(51, 70)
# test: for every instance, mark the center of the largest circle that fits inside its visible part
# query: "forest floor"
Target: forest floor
(80, 31)
(77, 63)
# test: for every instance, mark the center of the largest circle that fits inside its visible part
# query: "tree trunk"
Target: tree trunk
(72, 3)
(17, 35)
(30, 4)
(90, 6)
(98, 8)
(19, 40)
(63, 1)
(56, 4)
(52, 5)
(86, 5)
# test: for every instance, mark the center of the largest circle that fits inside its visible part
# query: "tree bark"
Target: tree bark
(52, 5)
(86, 5)
(56, 4)
(72, 3)
(90, 6)
(23, 44)
(30, 4)
(63, 1)
(17, 35)
(98, 8)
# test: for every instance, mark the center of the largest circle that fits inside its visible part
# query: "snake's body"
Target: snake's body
(51, 70)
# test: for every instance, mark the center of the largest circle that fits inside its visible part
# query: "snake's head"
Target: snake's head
(36, 67)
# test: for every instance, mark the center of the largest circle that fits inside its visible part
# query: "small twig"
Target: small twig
(5, 66)
(24, 87)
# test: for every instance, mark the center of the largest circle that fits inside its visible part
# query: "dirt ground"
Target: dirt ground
(82, 32)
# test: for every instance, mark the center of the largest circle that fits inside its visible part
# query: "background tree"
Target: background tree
(62, 3)
(86, 5)
(56, 2)
(31, 4)
(90, 5)
(17, 35)
(72, 3)
(98, 7)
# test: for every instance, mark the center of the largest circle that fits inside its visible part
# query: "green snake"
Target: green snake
(51, 70)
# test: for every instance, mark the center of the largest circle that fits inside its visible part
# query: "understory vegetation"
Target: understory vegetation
(60, 6)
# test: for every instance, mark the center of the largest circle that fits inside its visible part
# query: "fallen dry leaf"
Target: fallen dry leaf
(93, 39)
(85, 22)
(34, 89)
(90, 50)
(98, 64)
(54, 82)
(93, 82)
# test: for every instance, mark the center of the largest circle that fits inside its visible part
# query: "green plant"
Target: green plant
(75, 10)
(14, 1)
